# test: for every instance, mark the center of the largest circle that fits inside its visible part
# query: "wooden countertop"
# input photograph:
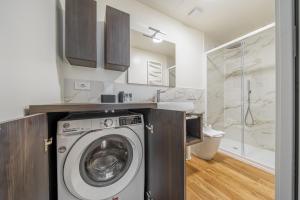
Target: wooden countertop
(85, 107)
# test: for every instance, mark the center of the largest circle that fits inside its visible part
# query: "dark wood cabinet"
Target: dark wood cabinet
(28, 172)
(80, 32)
(24, 167)
(165, 155)
(117, 40)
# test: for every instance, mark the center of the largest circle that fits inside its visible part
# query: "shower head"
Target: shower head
(234, 46)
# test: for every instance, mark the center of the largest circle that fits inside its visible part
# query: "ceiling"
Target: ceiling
(221, 20)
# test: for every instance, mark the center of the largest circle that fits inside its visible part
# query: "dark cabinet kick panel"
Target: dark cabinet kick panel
(24, 169)
(165, 162)
(117, 40)
(80, 34)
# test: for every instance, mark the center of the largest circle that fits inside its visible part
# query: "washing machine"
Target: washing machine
(101, 157)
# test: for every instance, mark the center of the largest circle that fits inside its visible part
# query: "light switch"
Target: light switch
(82, 85)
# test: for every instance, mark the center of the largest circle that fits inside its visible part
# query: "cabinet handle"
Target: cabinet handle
(149, 196)
(47, 143)
(150, 128)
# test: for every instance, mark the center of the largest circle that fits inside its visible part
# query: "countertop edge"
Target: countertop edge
(81, 107)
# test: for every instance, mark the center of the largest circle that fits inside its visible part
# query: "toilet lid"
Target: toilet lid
(212, 133)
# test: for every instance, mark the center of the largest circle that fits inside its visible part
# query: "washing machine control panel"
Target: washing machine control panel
(104, 123)
(130, 120)
(74, 127)
(108, 122)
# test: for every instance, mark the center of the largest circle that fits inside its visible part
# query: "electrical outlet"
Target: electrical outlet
(82, 85)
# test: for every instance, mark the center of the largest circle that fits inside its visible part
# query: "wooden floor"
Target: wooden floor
(225, 178)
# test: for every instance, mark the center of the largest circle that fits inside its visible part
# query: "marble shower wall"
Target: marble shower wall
(140, 93)
(260, 71)
(215, 89)
(224, 92)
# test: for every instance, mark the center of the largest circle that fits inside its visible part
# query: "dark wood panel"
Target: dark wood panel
(165, 163)
(194, 129)
(81, 31)
(24, 169)
(34, 109)
(117, 40)
(190, 140)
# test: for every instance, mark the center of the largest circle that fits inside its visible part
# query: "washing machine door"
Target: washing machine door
(102, 163)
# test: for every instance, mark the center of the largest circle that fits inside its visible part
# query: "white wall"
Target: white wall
(189, 45)
(210, 43)
(28, 72)
(138, 70)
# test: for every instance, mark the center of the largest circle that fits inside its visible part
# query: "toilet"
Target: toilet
(210, 145)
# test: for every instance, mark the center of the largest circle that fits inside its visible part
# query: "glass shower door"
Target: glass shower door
(224, 95)
(233, 98)
(259, 98)
(241, 96)
(215, 89)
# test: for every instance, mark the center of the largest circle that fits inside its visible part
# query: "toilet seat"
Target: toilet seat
(209, 132)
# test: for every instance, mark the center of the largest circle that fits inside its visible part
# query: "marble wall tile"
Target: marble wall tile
(140, 93)
(215, 90)
(260, 71)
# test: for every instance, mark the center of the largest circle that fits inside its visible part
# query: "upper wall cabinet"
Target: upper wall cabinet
(80, 33)
(117, 40)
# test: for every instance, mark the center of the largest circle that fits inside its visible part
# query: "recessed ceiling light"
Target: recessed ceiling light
(196, 10)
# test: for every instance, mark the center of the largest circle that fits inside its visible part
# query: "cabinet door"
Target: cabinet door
(117, 40)
(165, 155)
(23, 162)
(80, 34)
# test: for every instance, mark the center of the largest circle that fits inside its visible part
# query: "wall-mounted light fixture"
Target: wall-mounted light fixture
(155, 36)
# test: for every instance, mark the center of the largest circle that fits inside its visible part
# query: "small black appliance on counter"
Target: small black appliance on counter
(108, 98)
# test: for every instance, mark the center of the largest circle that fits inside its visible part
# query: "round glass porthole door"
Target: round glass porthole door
(106, 160)
(102, 163)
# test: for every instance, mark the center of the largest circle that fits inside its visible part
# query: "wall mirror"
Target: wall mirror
(152, 61)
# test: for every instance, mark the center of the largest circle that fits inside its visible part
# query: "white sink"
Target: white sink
(178, 106)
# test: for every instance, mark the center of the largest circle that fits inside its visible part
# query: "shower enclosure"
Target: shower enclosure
(241, 96)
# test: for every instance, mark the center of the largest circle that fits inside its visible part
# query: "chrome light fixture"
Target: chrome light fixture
(157, 40)
(155, 34)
